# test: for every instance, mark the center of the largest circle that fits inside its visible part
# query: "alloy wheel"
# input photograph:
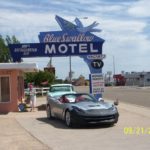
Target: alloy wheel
(68, 119)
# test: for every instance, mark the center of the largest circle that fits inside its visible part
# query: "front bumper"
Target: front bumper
(94, 119)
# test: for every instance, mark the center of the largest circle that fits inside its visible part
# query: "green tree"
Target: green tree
(11, 40)
(4, 49)
(29, 77)
(38, 77)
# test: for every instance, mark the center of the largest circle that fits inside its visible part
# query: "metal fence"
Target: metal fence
(39, 91)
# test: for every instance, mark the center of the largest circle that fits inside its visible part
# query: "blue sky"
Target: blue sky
(125, 27)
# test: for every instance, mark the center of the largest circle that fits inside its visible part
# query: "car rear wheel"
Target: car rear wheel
(68, 119)
(48, 111)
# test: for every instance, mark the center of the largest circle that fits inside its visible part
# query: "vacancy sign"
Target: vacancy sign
(97, 82)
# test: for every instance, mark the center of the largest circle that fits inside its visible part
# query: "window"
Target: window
(4, 89)
(148, 80)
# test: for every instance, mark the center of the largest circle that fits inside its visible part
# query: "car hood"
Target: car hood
(92, 105)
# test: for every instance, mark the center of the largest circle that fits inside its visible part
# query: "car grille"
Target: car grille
(98, 118)
(99, 112)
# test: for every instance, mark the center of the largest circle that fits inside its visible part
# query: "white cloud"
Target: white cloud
(26, 26)
(125, 41)
(124, 37)
(122, 25)
(107, 9)
(140, 9)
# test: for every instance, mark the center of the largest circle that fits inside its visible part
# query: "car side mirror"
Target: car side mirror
(101, 100)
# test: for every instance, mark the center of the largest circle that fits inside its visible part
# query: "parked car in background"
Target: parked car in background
(56, 90)
(81, 108)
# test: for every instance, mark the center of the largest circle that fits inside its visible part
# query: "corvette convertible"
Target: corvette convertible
(81, 108)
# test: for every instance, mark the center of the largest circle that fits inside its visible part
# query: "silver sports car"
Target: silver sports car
(81, 108)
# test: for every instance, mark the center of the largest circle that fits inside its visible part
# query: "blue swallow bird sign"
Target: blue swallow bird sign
(73, 40)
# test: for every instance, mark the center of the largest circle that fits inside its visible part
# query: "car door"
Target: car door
(58, 110)
(53, 105)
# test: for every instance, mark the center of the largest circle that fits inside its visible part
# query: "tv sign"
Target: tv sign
(97, 64)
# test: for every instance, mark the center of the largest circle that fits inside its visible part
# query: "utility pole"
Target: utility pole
(114, 64)
(70, 70)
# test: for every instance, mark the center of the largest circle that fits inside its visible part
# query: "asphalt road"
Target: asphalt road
(134, 95)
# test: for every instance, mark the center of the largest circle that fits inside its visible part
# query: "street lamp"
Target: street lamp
(113, 64)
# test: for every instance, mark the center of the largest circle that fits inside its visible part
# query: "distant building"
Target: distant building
(80, 81)
(119, 80)
(137, 79)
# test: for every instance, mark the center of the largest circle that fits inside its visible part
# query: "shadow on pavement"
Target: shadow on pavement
(1, 113)
(54, 122)
(41, 107)
(61, 125)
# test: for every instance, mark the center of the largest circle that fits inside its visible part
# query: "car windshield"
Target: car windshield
(60, 89)
(75, 98)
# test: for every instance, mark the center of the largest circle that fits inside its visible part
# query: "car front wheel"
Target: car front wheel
(68, 119)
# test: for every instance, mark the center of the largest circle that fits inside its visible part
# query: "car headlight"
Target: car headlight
(113, 108)
(77, 109)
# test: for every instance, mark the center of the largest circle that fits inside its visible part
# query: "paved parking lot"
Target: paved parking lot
(32, 130)
(57, 136)
(14, 137)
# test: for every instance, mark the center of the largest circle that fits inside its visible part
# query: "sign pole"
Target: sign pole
(70, 70)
